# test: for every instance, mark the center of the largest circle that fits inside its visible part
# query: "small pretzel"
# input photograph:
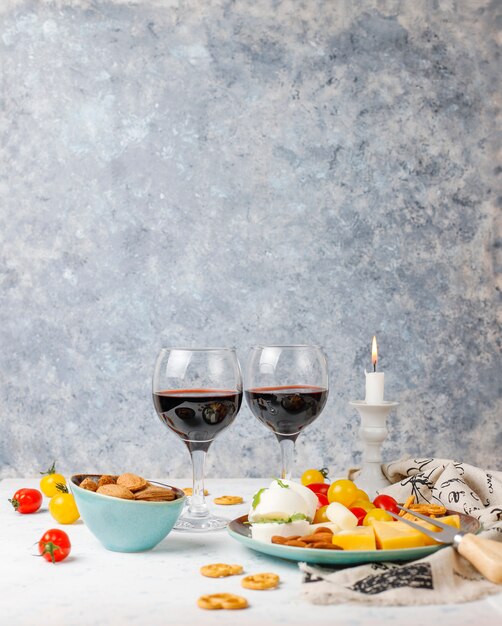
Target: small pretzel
(188, 491)
(220, 570)
(228, 601)
(260, 581)
(296, 543)
(227, 500)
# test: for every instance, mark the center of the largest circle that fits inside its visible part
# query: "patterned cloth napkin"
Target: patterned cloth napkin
(444, 577)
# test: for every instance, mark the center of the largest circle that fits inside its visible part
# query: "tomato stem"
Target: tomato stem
(62, 488)
(50, 548)
(51, 470)
(15, 503)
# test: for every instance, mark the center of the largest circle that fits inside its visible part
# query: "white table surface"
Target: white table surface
(97, 587)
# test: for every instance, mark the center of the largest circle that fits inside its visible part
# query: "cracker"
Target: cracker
(116, 491)
(106, 479)
(131, 482)
(89, 484)
(428, 509)
(153, 493)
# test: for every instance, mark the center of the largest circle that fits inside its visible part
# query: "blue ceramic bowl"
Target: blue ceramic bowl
(126, 525)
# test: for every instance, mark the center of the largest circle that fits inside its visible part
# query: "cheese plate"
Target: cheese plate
(239, 530)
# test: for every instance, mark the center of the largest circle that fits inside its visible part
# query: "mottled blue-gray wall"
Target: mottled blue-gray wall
(225, 173)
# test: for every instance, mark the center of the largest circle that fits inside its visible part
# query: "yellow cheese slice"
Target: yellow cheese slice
(360, 538)
(451, 520)
(396, 536)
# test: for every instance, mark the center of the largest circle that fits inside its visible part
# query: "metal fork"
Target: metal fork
(484, 554)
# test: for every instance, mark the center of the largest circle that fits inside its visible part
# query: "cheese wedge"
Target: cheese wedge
(396, 536)
(360, 538)
(451, 520)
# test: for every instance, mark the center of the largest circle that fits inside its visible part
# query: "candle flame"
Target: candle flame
(374, 353)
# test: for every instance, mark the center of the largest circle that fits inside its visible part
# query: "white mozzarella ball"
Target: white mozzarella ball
(279, 504)
(306, 493)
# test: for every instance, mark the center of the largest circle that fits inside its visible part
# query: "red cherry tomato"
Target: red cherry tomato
(319, 488)
(387, 503)
(54, 545)
(26, 500)
(359, 513)
(323, 500)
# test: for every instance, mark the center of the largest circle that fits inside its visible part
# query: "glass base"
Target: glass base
(204, 524)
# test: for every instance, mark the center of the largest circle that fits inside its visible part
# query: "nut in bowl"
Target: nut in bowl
(123, 522)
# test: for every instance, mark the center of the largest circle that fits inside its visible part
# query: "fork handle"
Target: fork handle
(484, 554)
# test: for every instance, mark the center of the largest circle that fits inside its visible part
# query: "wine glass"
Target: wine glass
(286, 388)
(197, 393)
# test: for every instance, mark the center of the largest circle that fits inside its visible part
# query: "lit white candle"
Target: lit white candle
(374, 379)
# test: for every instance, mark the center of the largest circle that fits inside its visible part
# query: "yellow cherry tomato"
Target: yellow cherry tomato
(343, 491)
(311, 476)
(320, 515)
(63, 508)
(48, 484)
(363, 504)
(377, 515)
(362, 495)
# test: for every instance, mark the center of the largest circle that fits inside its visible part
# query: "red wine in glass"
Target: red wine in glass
(197, 415)
(287, 410)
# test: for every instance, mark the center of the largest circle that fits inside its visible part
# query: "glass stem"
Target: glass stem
(198, 506)
(287, 452)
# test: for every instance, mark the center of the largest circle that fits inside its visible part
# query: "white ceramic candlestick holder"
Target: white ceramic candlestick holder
(373, 433)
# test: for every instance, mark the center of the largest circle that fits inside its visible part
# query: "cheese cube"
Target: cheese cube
(360, 538)
(451, 520)
(396, 536)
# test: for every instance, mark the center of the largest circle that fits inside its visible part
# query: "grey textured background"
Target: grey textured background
(225, 173)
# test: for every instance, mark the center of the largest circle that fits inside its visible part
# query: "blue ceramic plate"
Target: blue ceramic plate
(241, 532)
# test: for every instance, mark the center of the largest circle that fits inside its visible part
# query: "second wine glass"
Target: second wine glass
(286, 388)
